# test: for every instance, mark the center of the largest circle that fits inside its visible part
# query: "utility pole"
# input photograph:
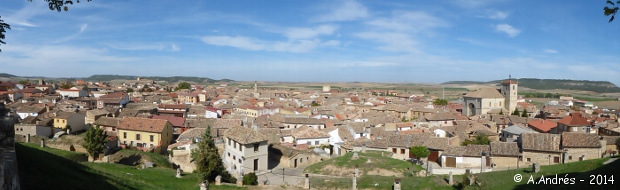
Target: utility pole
(282, 174)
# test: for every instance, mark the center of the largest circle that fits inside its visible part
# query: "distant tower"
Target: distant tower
(255, 86)
(326, 88)
(509, 90)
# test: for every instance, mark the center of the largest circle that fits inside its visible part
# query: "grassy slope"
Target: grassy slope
(577, 170)
(45, 168)
(157, 159)
(369, 181)
(377, 161)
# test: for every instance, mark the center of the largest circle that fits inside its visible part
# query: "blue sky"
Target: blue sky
(322, 41)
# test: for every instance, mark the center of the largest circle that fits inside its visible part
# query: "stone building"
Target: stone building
(492, 101)
(582, 146)
(505, 154)
(245, 150)
(541, 148)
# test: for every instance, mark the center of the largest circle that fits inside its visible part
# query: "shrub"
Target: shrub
(250, 179)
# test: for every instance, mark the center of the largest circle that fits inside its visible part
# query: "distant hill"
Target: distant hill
(550, 84)
(156, 78)
(7, 75)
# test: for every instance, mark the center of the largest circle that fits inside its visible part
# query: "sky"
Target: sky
(314, 41)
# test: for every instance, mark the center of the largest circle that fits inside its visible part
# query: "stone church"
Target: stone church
(491, 100)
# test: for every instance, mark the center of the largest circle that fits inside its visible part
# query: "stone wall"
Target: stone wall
(8, 160)
(506, 162)
(574, 154)
(541, 158)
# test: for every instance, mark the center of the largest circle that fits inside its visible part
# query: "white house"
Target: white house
(310, 136)
(26, 111)
(245, 150)
(211, 112)
(73, 93)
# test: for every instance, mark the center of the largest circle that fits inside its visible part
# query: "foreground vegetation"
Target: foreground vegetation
(578, 170)
(47, 168)
(371, 179)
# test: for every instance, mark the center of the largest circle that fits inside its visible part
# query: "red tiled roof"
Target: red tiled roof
(510, 82)
(574, 119)
(143, 124)
(543, 125)
(176, 121)
(114, 95)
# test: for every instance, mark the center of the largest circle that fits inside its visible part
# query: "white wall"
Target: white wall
(313, 141)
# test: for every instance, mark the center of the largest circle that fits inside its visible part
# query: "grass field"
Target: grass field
(47, 168)
(578, 170)
(371, 178)
(376, 161)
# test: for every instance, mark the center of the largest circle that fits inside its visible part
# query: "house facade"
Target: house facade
(72, 119)
(245, 150)
(145, 134)
(582, 146)
(542, 148)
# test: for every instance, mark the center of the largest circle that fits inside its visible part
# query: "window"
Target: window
(235, 145)
(301, 160)
(151, 145)
(256, 147)
(556, 159)
(570, 157)
(393, 150)
(240, 147)
(574, 128)
(529, 159)
(234, 157)
(125, 135)
(316, 142)
(152, 138)
(239, 160)
(309, 143)
(229, 141)
(229, 154)
(137, 136)
(402, 151)
(489, 104)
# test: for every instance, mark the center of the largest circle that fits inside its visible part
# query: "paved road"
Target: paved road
(292, 176)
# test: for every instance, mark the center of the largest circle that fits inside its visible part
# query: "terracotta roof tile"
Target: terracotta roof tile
(504, 149)
(541, 142)
(580, 140)
(574, 119)
(245, 135)
(308, 133)
(143, 124)
(542, 125)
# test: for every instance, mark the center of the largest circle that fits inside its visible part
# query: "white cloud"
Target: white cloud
(498, 15)
(408, 21)
(346, 11)
(293, 46)
(237, 41)
(369, 64)
(175, 47)
(306, 33)
(393, 41)
(56, 56)
(82, 29)
(511, 31)
(550, 51)
(133, 46)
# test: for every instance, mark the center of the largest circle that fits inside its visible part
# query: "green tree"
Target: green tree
(66, 86)
(501, 112)
(208, 161)
(440, 102)
(95, 140)
(129, 89)
(611, 10)
(85, 88)
(25, 82)
(516, 112)
(184, 85)
(420, 151)
(3, 27)
(250, 179)
(524, 114)
(480, 139)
